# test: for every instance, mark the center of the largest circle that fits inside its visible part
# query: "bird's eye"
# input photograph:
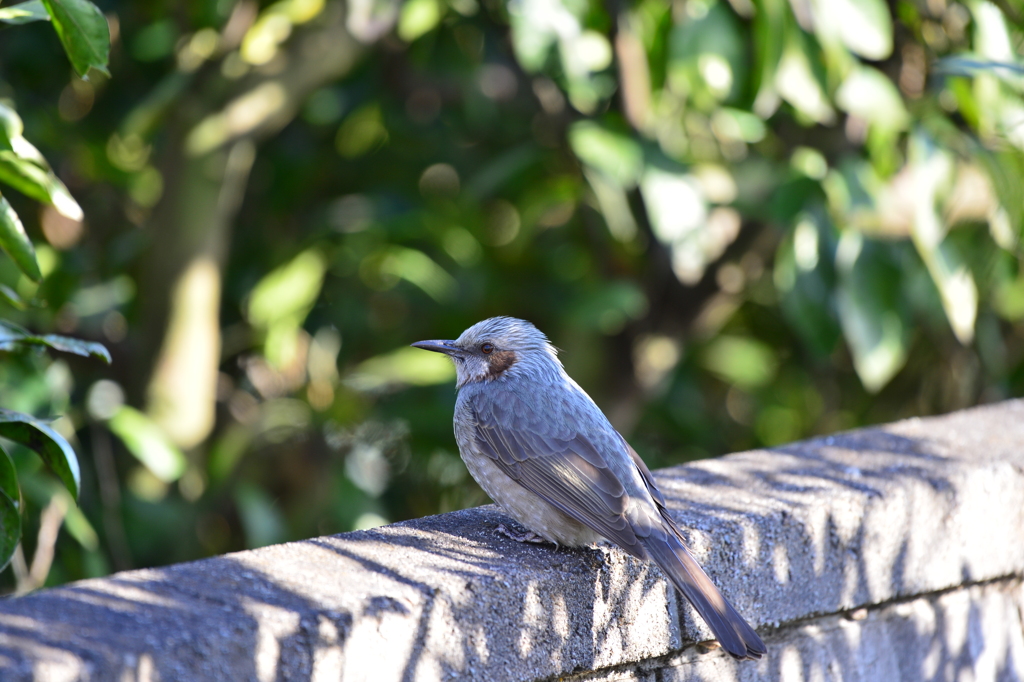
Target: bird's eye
(486, 349)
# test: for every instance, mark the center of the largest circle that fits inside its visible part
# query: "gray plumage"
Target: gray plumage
(540, 447)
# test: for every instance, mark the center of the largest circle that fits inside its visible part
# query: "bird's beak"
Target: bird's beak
(446, 347)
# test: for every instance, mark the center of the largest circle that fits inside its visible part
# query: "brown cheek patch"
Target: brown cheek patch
(499, 362)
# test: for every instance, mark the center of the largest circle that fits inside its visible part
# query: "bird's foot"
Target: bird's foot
(528, 536)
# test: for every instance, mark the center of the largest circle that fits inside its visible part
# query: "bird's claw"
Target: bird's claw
(528, 536)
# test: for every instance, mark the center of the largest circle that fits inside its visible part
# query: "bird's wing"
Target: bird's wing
(568, 470)
(648, 477)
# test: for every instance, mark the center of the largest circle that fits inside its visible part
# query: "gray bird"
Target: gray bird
(540, 447)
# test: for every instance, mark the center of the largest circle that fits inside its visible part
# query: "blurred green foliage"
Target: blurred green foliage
(82, 30)
(745, 222)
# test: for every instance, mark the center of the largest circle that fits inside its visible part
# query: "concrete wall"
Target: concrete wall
(894, 553)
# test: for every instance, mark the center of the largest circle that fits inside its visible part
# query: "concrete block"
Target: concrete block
(972, 633)
(918, 526)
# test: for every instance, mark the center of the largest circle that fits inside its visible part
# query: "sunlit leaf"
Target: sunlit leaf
(24, 13)
(614, 205)
(418, 17)
(933, 170)
(148, 443)
(955, 281)
(421, 270)
(41, 438)
(674, 203)
(12, 139)
(993, 39)
(746, 362)
(83, 32)
(864, 26)
(867, 93)
(16, 243)
(289, 290)
(798, 84)
(361, 132)
(536, 26)
(37, 182)
(409, 366)
(737, 124)
(618, 156)
(24, 176)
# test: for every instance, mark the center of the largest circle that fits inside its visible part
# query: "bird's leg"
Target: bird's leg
(528, 536)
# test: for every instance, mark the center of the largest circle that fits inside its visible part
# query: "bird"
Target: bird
(541, 448)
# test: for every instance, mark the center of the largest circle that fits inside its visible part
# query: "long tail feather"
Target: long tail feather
(733, 633)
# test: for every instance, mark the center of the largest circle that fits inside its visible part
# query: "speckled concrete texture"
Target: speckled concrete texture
(893, 553)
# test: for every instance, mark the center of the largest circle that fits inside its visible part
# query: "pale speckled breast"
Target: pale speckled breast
(526, 507)
(521, 504)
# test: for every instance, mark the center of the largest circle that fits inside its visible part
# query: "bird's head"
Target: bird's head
(495, 348)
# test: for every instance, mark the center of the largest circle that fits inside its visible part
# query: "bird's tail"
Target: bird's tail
(728, 626)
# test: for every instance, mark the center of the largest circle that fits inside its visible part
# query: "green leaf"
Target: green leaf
(1006, 168)
(8, 476)
(10, 505)
(289, 290)
(619, 157)
(10, 529)
(674, 203)
(805, 279)
(40, 437)
(708, 55)
(872, 317)
(24, 176)
(868, 93)
(933, 169)
(83, 32)
(403, 366)
(11, 336)
(10, 125)
(13, 299)
(800, 83)
(418, 18)
(66, 344)
(12, 138)
(24, 13)
(743, 361)
(148, 443)
(32, 180)
(16, 243)
(863, 26)
(771, 24)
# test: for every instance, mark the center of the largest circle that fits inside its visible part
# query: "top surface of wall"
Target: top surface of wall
(819, 527)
